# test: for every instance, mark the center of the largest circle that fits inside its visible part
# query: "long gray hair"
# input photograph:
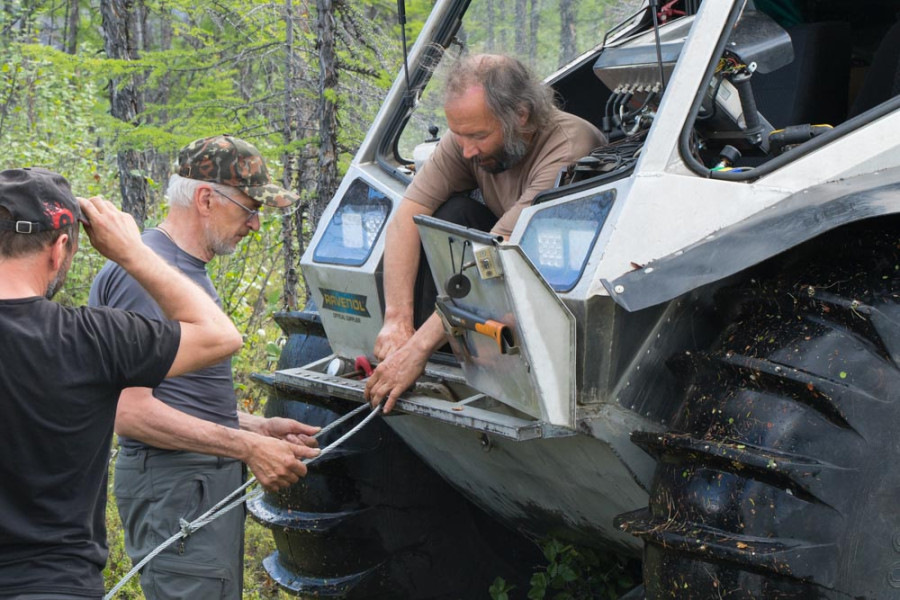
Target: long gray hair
(510, 90)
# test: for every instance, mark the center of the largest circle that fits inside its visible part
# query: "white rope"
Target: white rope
(226, 504)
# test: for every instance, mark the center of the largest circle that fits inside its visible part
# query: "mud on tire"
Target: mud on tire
(779, 477)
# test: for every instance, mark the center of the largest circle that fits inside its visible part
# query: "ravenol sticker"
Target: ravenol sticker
(343, 302)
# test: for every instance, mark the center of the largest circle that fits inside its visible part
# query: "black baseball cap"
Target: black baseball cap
(38, 199)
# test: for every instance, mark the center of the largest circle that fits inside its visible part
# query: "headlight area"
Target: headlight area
(559, 239)
(354, 226)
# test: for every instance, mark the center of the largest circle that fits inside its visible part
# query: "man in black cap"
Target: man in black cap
(178, 460)
(61, 373)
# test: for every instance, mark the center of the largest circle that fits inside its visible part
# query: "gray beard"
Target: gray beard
(512, 154)
(219, 246)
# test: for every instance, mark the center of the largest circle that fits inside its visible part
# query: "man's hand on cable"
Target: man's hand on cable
(399, 371)
(277, 463)
(393, 336)
(290, 430)
(395, 375)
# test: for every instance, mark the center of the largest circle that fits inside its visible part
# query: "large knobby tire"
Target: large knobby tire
(371, 521)
(779, 477)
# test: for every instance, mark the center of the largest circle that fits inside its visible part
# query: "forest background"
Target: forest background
(106, 91)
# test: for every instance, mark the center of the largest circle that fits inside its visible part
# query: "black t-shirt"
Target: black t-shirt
(61, 371)
(207, 393)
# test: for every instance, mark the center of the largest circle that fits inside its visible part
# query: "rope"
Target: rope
(226, 504)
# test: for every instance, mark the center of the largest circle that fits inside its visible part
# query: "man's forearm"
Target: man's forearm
(143, 417)
(207, 334)
(275, 462)
(253, 423)
(430, 336)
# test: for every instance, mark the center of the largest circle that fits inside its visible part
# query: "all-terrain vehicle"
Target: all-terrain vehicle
(694, 336)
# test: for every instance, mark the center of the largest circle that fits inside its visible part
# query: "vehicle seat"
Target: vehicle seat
(813, 88)
(883, 79)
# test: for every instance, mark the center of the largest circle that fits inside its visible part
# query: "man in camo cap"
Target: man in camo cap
(180, 457)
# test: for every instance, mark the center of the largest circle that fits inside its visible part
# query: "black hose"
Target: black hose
(623, 100)
(715, 106)
(654, 9)
(606, 125)
(635, 112)
(609, 103)
(684, 141)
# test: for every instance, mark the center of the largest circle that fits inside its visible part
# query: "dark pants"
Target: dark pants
(44, 597)
(460, 210)
(154, 490)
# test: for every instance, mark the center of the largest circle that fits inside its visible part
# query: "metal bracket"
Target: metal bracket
(488, 262)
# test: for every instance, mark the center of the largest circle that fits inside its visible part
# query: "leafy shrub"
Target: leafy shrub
(575, 573)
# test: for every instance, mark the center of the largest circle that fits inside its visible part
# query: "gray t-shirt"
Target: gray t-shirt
(207, 393)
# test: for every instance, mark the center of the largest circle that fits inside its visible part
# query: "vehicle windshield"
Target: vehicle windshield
(544, 34)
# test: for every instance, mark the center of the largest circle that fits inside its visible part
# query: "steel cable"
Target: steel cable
(226, 504)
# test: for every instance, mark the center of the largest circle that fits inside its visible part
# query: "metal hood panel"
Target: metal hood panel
(531, 367)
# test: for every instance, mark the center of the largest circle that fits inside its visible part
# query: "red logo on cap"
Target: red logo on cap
(60, 216)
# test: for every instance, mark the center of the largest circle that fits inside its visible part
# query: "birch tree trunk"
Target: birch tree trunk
(534, 25)
(490, 45)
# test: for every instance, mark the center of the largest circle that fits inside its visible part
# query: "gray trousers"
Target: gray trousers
(154, 490)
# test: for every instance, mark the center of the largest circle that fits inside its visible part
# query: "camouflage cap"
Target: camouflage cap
(232, 161)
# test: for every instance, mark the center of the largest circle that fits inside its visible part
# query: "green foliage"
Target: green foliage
(500, 589)
(47, 117)
(258, 544)
(204, 67)
(118, 564)
(575, 573)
